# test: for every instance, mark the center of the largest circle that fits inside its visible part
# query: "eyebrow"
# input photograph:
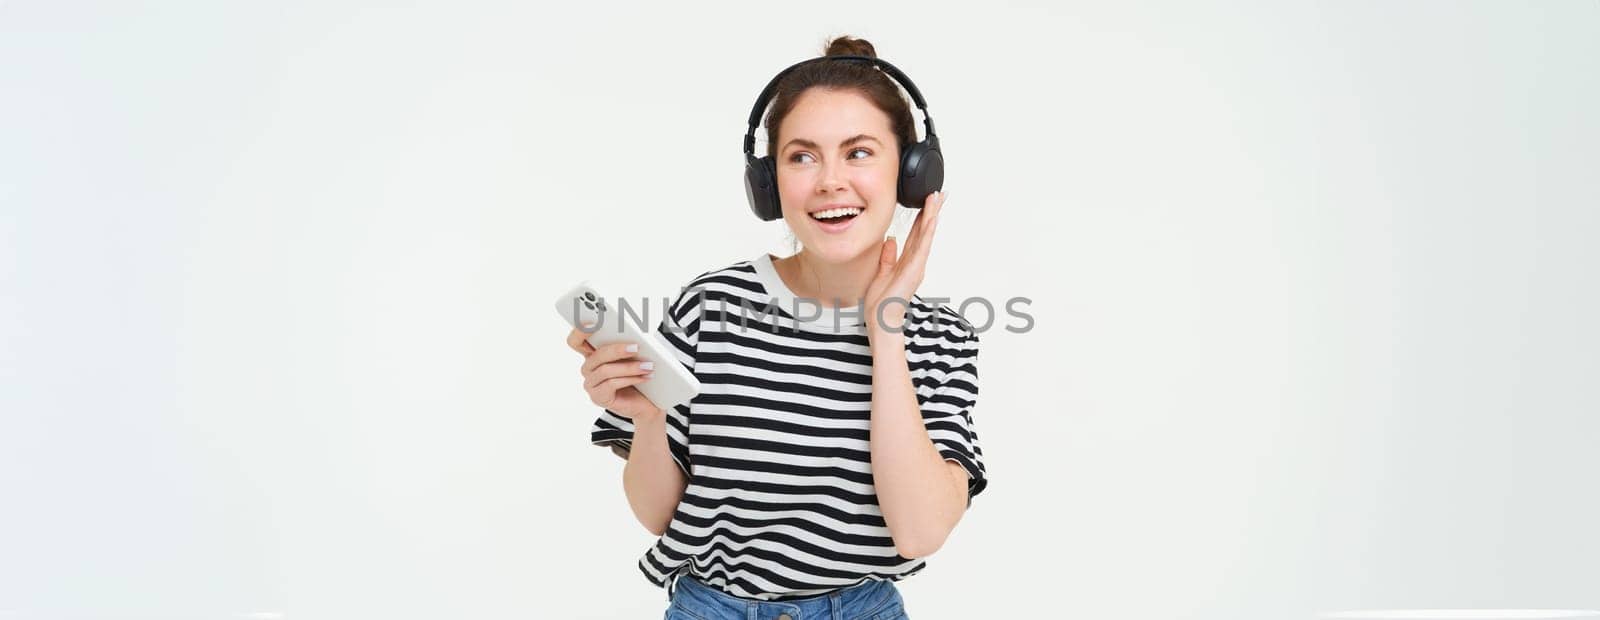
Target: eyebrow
(812, 145)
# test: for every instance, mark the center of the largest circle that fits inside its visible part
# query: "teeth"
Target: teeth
(839, 212)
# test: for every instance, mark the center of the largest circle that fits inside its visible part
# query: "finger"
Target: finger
(925, 246)
(609, 353)
(932, 223)
(578, 340)
(886, 256)
(913, 237)
(921, 239)
(931, 212)
(624, 368)
(606, 392)
(934, 203)
(919, 258)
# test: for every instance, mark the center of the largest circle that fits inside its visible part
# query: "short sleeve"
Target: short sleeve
(947, 413)
(680, 329)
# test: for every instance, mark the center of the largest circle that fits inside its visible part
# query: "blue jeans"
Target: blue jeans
(869, 600)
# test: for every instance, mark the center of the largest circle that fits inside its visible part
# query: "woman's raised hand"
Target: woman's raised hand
(609, 374)
(897, 280)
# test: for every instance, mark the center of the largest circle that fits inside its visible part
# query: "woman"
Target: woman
(831, 446)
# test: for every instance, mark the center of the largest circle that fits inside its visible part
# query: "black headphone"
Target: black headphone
(921, 164)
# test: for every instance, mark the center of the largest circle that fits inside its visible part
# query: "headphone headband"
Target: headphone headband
(894, 72)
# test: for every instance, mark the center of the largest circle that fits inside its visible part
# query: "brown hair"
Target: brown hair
(867, 80)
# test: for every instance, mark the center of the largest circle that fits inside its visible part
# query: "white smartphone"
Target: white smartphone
(671, 385)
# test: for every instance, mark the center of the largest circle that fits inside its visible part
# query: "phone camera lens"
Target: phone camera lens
(588, 295)
(591, 306)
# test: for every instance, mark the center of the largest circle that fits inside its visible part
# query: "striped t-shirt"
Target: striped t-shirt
(780, 501)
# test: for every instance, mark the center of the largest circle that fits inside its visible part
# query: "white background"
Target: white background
(1314, 289)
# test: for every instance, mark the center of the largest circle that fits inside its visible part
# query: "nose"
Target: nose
(829, 179)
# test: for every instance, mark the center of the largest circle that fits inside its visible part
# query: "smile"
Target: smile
(835, 220)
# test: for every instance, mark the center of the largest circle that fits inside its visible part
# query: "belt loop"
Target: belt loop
(672, 584)
(836, 604)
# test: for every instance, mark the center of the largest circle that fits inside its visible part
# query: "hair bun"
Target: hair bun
(846, 45)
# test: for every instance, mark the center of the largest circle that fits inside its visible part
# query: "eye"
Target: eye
(854, 151)
(792, 157)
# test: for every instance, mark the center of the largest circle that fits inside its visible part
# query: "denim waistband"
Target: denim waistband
(852, 601)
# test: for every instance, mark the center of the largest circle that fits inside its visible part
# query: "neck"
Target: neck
(824, 282)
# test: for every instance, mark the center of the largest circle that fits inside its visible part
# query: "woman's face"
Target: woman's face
(837, 150)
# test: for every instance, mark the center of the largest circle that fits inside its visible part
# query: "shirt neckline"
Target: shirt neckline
(829, 320)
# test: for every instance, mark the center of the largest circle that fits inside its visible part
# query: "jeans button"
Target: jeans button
(784, 617)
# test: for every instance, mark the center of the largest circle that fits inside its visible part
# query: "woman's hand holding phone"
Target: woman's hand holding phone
(610, 373)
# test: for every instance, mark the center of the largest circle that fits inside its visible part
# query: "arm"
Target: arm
(653, 482)
(921, 494)
(635, 428)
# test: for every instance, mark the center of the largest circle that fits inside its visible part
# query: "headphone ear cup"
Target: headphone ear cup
(921, 173)
(761, 188)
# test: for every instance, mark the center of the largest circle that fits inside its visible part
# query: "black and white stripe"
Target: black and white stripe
(780, 502)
